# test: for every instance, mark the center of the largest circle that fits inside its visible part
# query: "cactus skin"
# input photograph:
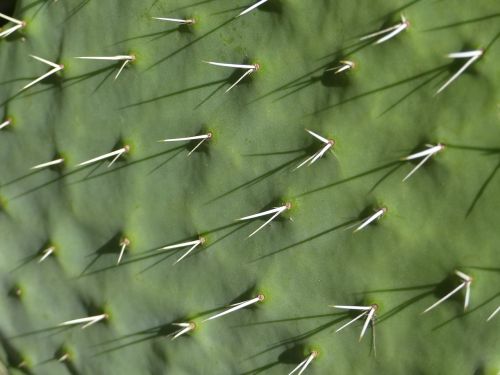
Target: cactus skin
(443, 218)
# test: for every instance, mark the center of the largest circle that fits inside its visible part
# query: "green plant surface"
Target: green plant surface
(441, 219)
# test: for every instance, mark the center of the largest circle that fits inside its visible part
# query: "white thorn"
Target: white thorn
(203, 138)
(248, 72)
(55, 69)
(445, 297)
(11, 19)
(371, 219)
(276, 211)
(317, 136)
(236, 66)
(463, 276)
(493, 314)
(193, 244)
(238, 306)
(432, 150)
(48, 164)
(474, 55)
(249, 9)
(116, 153)
(304, 364)
(5, 123)
(174, 20)
(347, 307)
(369, 319)
(393, 31)
(121, 68)
(10, 30)
(89, 320)
(352, 321)
(46, 253)
(123, 243)
(111, 58)
(344, 65)
(185, 328)
(465, 54)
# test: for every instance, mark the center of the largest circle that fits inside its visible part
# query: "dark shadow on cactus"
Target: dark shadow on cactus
(7, 7)
(411, 92)
(433, 71)
(165, 162)
(482, 268)
(153, 253)
(468, 312)
(385, 176)
(187, 6)
(482, 189)
(390, 313)
(158, 332)
(257, 179)
(359, 175)
(293, 355)
(70, 81)
(62, 356)
(465, 22)
(153, 36)
(177, 51)
(301, 337)
(316, 75)
(14, 357)
(45, 184)
(31, 258)
(306, 240)
(54, 329)
(183, 91)
(128, 164)
(111, 247)
(76, 9)
(395, 13)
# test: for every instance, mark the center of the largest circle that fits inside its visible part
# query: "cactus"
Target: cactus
(299, 118)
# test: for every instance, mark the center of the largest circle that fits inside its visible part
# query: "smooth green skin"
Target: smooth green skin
(160, 197)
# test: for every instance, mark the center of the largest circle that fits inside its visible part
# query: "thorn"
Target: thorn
(431, 150)
(372, 218)
(250, 69)
(116, 153)
(177, 20)
(5, 123)
(185, 328)
(472, 55)
(328, 144)
(55, 69)
(89, 320)
(254, 6)
(275, 211)
(193, 244)
(392, 31)
(123, 243)
(238, 306)
(369, 311)
(125, 58)
(493, 314)
(467, 280)
(46, 253)
(48, 164)
(203, 138)
(304, 364)
(344, 65)
(18, 25)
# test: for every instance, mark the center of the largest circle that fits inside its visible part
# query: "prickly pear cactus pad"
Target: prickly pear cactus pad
(244, 187)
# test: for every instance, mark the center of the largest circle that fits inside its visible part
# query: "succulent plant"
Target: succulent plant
(299, 118)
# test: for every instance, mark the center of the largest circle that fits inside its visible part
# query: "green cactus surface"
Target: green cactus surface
(64, 227)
